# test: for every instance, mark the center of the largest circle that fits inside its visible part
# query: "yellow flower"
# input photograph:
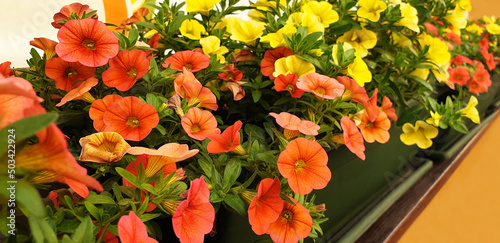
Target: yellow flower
(150, 34)
(263, 5)
(293, 64)
(103, 147)
(361, 40)
(422, 73)
(401, 40)
(200, 6)
(474, 29)
(192, 29)
(277, 39)
(316, 52)
(457, 18)
(465, 5)
(438, 50)
(244, 31)
(323, 11)
(442, 74)
(358, 70)
(434, 119)
(470, 110)
(211, 46)
(493, 28)
(410, 18)
(306, 20)
(421, 134)
(371, 9)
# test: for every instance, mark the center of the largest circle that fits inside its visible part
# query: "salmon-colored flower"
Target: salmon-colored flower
(293, 224)
(266, 207)
(80, 92)
(67, 11)
(195, 216)
(293, 125)
(320, 85)
(66, 74)
(270, 57)
(130, 118)
(244, 56)
(490, 60)
(303, 163)
(125, 69)
(231, 74)
(229, 140)
(47, 45)
(181, 79)
(5, 69)
(288, 83)
(353, 139)
(103, 147)
(191, 60)
(377, 130)
(387, 109)
(198, 123)
(98, 108)
(164, 155)
(371, 108)
(87, 41)
(236, 88)
(132, 230)
(459, 75)
(200, 96)
(353, 91)
(138, 15)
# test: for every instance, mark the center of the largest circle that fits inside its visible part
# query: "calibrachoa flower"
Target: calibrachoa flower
(66, 74)
(200, 6)
(371, 9)
(434, 119)
(98, 108)
(125, 69)
(323, 11)
(245, 31)
(270, 57)
(229, 140)
(288, 83)
(236, 88)
(103, 147)
(320, 85)
(231, 74)
(191, 60)
(183, 77)
(421, 134)
(293, 64)
(200, 96)
(376, 130)
(4, 69)
(87, 41)
(353, 139)
(67, 11)
(358, 70)
(459, 75)
(387, 109)
(410, 18)
(80, 92)
(50, 176)
(352, 90)
(266, 207)
(198, 123)
(294, 223)
(470, 110)
(211, 46)
(362, 40)
(131, 230)
(47, 45)
(303, 163)
(192, 29)
(293, 125)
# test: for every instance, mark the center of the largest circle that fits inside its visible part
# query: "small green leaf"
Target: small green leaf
(256, 94)
(235, 203)
(149, 216)
(100, 199)
(93, 210)
(128, 176)
(231, 173)
(84, 232)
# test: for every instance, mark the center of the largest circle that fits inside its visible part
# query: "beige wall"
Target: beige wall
(482, 8)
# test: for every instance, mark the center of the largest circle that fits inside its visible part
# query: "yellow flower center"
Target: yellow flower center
(369, 125)
(287, 214)
(188, 66)
(89, 44)
(290, 88)
(133, 121)
(230, 76)
(69, 72)
(107, 146)
(195, 128)
(320, 91)
(300, 164)
(132, 72)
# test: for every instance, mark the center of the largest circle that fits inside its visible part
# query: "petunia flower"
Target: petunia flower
(266, 207)
(192, 29)
(69, 10)
(231, 74)
(387, 109)
(421, 134)
(410, 18)
(371, 9)
(98, 108)
(358, 70)
(323, 11)
(459, 75)
(183, 77)
(87, 41)
(353, 91)
(229, 140)
(353, 139)
(200, 6)
(376, 130)
(470, 110)
(47, 45)
(67, 74)
(211, 46)
(80, 92)
(270, 57)
(288, 83)
(191, 60)
(125, 69)
(200, 96)
(131, 118)
(305, 19)
(293, 125)
(362, 40)
(245, 31)
(103, 147)
(320, 85)
(293, 64)
(131, 229)
(198, 123)
(293, 224)
(195, 216)
(434, 119)
(277, 39)
(304, 164)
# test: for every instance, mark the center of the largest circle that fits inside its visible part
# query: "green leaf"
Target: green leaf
(235, 203)
(256, 94)
(68, 226)
(93, 210)
(85, 232)
(66, 239)
(161, 129)
(149, 216)
(100, 199)
(133, 36)
(266, 158)
(231, 173)
(423, 82)
(128, 176)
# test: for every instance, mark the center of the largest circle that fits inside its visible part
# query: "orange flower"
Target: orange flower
(131, 230)
(185, 76)
(49, 177)
(103, 147)
(303, 163)
(353, 91)
(270, 57)
(353, 139)
(47, 45)
(293, 125)
(98, 108)
(199, 96)
(130, 118)
(191, 60)
(236, 88)
(138, 15)
(5, 69)
(66, 74)
(288, 83)
(80, 92)
(320, 85)
(371, 108)
(51, 154)
(87, 41)
(166, 154)
(125, 69)
(293, 224)
(195, 216)
(377, 130)
(266, 207)
(231, 74)
(387, 108)
(459, 75)
(243, 56)
(67, 11)
(229, 140)
(198, 123)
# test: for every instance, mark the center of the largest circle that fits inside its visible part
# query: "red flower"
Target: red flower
(195, 216)
(227, 141)
(303, 163)
(87, 41)
(293, 224)
(66, 74)
(4, 69)
(484, 44)
(67, 11)
(243, 56)
(266, 207)
(132, 230)
(454, 37)
(191, 60)
(198, 123)
(431, 28)
(288, 83)
(231, 74)
(459, 60)
(490, 60)
(387, 108)
(459, 75)
(353, 139)
(125, 69)
(270, 57)
(320, 85)
(353, 91)
(482, 76)
(98, 108)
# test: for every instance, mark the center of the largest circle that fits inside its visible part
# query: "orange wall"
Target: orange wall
(482, 8)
